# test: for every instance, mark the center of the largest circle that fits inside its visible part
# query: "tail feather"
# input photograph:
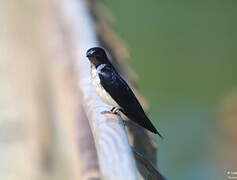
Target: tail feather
(140, 118)
(146, 123)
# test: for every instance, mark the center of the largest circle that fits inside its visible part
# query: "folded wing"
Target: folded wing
(119, 90)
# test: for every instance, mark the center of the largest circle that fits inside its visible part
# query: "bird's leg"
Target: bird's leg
(114, 110)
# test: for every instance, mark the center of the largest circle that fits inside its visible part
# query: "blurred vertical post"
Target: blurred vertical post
(42, 120)
(23, 85)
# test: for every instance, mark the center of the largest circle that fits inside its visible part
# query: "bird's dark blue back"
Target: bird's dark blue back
(119, 90)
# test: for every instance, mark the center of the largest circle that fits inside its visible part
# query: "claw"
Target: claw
(114, 110)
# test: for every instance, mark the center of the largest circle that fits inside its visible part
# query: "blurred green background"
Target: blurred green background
(186, 57)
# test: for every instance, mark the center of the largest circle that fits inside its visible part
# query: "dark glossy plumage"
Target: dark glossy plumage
(118, 89)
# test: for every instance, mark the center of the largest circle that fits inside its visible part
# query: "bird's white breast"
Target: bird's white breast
(100, 91)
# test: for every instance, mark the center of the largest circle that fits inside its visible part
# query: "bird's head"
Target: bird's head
(97, 56)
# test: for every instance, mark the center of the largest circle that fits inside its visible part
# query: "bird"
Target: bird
(114, 90)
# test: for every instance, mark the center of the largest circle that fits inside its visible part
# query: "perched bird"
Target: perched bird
(113, 89)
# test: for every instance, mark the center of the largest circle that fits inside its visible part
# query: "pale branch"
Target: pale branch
(89, 168)
(69, 116)
(142, 140)
(114, 153)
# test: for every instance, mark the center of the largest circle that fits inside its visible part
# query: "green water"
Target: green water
(185, 53)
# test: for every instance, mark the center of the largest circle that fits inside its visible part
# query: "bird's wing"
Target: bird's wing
(119, 90)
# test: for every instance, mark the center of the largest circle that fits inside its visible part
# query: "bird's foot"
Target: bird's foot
(114, 110)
